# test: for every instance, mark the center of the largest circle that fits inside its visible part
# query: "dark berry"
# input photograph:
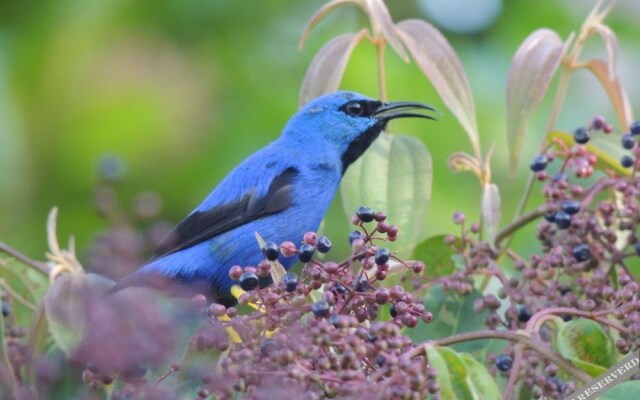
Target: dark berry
(248, 281)
(634, 128)
(340, 289)
(637, 247)
(563, 220)
(570, 206)
(581, 252)
(320, 308)
(550, 216)
(564, 290)
(268, 347)
(355, 235)
(626, 161)
(539, 163)
(382, 256)
(6, 309)
(379, 360)
(392, 311)
(324, 244)
(366, 214)
(290, 281)
(581, 135)
(306, 252)
(271, 251)
(524, 314)
(504, 362)
(360, 285)
(627, 141)
(559, 177)
(264, 281)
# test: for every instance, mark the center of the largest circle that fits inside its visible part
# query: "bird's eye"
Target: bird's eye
(355, 109)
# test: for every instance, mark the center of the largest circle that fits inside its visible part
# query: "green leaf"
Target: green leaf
(585, 340)
(460, 376)
(624, 391)
(452, 314)
(394, 176)
(65, 305)
(441, 65)
(437, 256)
(591, 369)
(532, 68)
(327, 67)
(608, 151)
(480, 379)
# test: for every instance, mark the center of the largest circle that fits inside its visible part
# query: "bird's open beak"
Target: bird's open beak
(402, 109)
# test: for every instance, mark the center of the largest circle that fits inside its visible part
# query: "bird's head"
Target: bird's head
(347, 122)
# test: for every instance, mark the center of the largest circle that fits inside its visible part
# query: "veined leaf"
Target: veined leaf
(614, 89)
(530, 74)
(453, 314)
(381, 20)
(394, 176)
(437, 256)
(440, 64)
(585, 340)
(327, 67)
(611, 43)
(460, 376)
(322, 12)
(490, 211)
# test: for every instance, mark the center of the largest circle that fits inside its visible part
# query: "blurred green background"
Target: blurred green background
(182, 91)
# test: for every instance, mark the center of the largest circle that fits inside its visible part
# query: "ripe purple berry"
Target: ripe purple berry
(539, 163)
(524, 314)
(6, 309)
(271, 251)
(355, 235)
(634, 128)
(627, 141)
(320, 308)
(366, 214)
(248, 281)
(581, 135)
(306, 252)
(626, 161)
(562, 220)
(550, 216)
(504, 362)
(324, 244)
(570, 206)
(382, 256)
(581, 252)
(290, 281)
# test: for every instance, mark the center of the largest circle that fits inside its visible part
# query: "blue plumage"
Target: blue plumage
(281, 192)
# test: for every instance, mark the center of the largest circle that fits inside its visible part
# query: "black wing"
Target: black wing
(203, 225)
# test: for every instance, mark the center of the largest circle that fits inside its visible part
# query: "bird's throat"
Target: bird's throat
(360, 145)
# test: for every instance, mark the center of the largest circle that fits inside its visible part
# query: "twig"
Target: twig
(39, 266)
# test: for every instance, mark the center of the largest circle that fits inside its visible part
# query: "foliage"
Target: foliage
(462, 315)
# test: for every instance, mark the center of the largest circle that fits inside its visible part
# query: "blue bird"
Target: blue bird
(281, 192)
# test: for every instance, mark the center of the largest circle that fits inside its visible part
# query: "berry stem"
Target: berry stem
(518, 223)
(518, 337)
(380, 44)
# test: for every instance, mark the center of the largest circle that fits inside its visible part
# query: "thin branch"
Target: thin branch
(37, 265)
(518, 337)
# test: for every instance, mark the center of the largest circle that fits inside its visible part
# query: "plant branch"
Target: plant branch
(37, 265)
(518, 337)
